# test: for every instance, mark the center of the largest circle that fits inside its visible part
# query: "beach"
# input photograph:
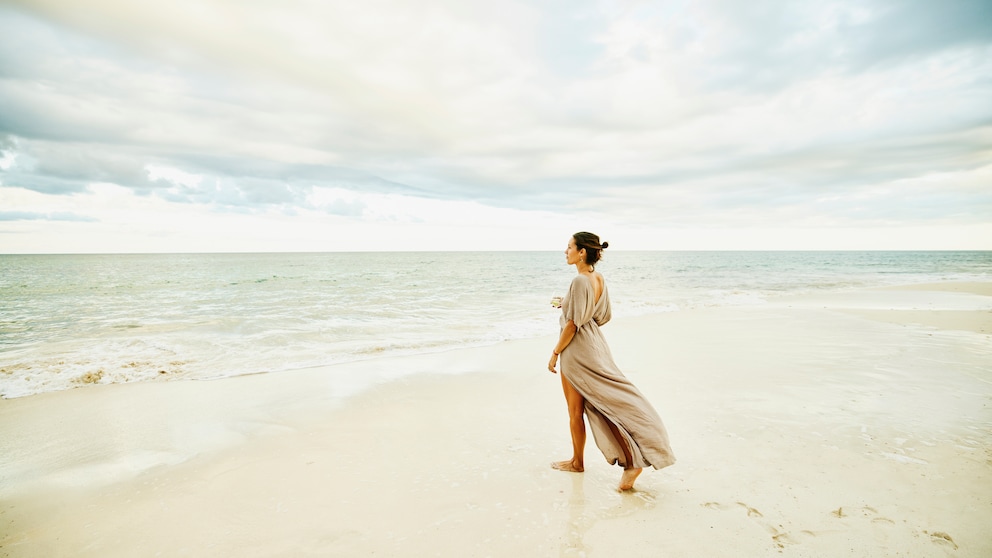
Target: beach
(853, 423)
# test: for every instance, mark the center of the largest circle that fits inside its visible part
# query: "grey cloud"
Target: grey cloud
(769, 44)
(346, 208)
(910, 27)
(828, 167)
(26, 117)
(298, 173)
(267, 192)
(65, 168)
(88, 164)
(228, 181)
(35, 216)
(243, 193)
(46, 87)
(567, 35)
(40, 183)
(824, 177)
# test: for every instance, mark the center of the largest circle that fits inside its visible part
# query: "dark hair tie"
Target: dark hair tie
(604, 246)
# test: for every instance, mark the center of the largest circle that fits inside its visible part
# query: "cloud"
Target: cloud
(766, 45)
(32, 216)
(709, 112)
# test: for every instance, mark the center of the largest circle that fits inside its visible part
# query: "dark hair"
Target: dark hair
(591, 243)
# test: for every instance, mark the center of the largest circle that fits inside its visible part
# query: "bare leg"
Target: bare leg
(630, 473)
(576, 426)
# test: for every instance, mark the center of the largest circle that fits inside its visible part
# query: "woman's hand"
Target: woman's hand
(564, 339)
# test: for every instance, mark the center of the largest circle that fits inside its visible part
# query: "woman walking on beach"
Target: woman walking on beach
(625, 426)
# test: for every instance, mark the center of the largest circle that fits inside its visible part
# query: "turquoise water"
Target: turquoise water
(69, 320)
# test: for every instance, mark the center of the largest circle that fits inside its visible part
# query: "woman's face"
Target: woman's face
(572, 255)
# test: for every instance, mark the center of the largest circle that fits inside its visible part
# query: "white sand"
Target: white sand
(807, 427)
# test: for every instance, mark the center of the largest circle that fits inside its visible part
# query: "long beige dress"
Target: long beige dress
(610, 397)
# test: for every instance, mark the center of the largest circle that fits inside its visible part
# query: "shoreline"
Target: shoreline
(953, 317)
(801, 429)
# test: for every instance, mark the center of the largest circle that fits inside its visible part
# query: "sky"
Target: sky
(316, 125)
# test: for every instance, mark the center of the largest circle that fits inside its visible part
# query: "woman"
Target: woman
(625, 426)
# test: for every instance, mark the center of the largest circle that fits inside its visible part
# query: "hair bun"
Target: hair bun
(605, 246)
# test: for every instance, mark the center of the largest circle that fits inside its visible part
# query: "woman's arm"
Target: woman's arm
(567, 333)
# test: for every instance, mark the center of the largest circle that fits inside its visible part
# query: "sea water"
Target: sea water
(71, 320)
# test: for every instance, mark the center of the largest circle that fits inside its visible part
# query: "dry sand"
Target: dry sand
(817, 426)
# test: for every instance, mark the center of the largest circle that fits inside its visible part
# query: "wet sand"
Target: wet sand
(854, 424)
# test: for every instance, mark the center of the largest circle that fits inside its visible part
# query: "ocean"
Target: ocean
(67, 321)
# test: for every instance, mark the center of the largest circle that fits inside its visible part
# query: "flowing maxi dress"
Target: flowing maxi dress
(610, 397)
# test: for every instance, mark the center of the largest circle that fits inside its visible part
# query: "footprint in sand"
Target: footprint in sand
(780, 537)
(942, 538)
(852, 517)
(646, 498)
(866, 511)
(751, 512)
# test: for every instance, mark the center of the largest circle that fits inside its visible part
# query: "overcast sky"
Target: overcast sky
(233, 125)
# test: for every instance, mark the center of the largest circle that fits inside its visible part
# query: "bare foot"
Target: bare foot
(628, 478)
(567, 466)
